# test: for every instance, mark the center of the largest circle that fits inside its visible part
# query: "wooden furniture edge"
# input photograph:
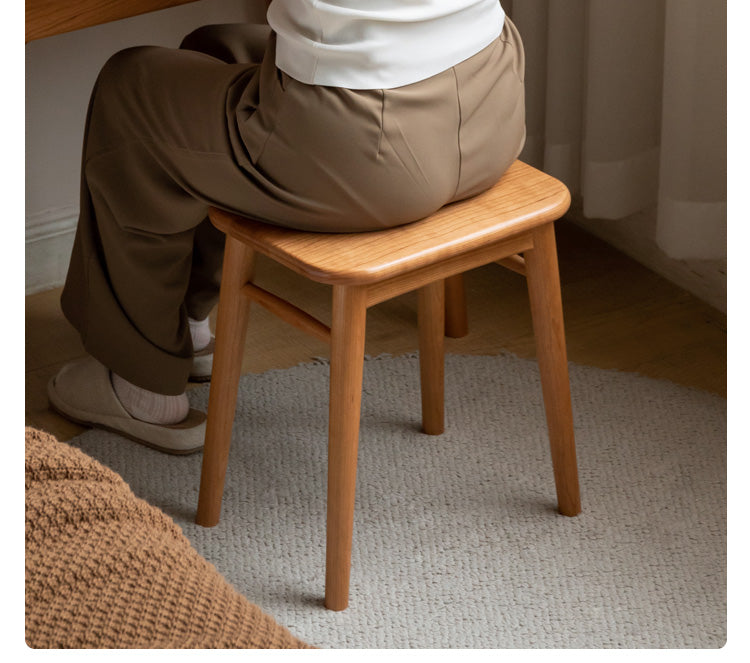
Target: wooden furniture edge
(45, 18)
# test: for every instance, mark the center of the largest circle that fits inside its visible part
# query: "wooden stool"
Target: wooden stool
(514, 217)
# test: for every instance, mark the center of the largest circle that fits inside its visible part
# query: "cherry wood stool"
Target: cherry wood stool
(513, 218)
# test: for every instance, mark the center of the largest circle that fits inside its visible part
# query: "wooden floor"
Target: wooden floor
(618, 315)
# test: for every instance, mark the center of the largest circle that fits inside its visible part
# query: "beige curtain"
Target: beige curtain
(626, 103)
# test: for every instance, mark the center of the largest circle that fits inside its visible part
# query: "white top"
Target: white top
(374, 44)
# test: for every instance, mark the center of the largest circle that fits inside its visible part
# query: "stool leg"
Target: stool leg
(431, 315)
(456, 320)
(347, 357)
(546, 309)
(231, 328)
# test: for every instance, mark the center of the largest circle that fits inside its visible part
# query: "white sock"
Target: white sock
(149, 406)
(200, 332)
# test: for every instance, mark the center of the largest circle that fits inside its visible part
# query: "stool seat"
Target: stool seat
(511, 223)
(525, 199)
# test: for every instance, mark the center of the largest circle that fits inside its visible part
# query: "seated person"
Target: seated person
(337, 116)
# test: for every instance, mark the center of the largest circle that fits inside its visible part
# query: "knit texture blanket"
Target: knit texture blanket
(104, 569)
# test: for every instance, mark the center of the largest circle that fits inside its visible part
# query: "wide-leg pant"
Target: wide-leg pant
(170, 132)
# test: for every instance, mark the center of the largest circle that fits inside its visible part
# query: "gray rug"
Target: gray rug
(457, 543)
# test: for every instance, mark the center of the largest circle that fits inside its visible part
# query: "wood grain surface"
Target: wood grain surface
(45, 18)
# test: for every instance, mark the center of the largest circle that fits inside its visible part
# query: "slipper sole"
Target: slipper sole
(111, 429)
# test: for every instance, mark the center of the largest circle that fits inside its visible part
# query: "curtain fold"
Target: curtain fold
(626, 103)
(693, 190)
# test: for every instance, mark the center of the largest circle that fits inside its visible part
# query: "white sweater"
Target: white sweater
(372, 44)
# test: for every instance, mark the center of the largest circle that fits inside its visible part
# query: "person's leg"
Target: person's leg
(231, 43)
(156, 153)
(156, 135)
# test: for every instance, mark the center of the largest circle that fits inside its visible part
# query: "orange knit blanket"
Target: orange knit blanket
(104, 569)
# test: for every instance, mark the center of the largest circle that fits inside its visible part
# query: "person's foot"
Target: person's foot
(83, 392)
(149, 406)
(203, 350)
(203, 363)
(200, 333)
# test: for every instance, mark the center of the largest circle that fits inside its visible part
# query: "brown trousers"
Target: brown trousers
(170, 132)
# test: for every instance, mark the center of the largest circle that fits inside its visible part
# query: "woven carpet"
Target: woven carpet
(457, 543)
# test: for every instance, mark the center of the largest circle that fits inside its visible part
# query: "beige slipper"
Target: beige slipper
(82, 392)
(203, 362)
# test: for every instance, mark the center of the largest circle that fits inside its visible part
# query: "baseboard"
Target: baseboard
(49, 241)
(635, 236)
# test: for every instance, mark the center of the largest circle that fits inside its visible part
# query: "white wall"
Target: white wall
(60, 72)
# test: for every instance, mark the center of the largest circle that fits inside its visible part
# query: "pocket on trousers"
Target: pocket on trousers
(511, 39)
